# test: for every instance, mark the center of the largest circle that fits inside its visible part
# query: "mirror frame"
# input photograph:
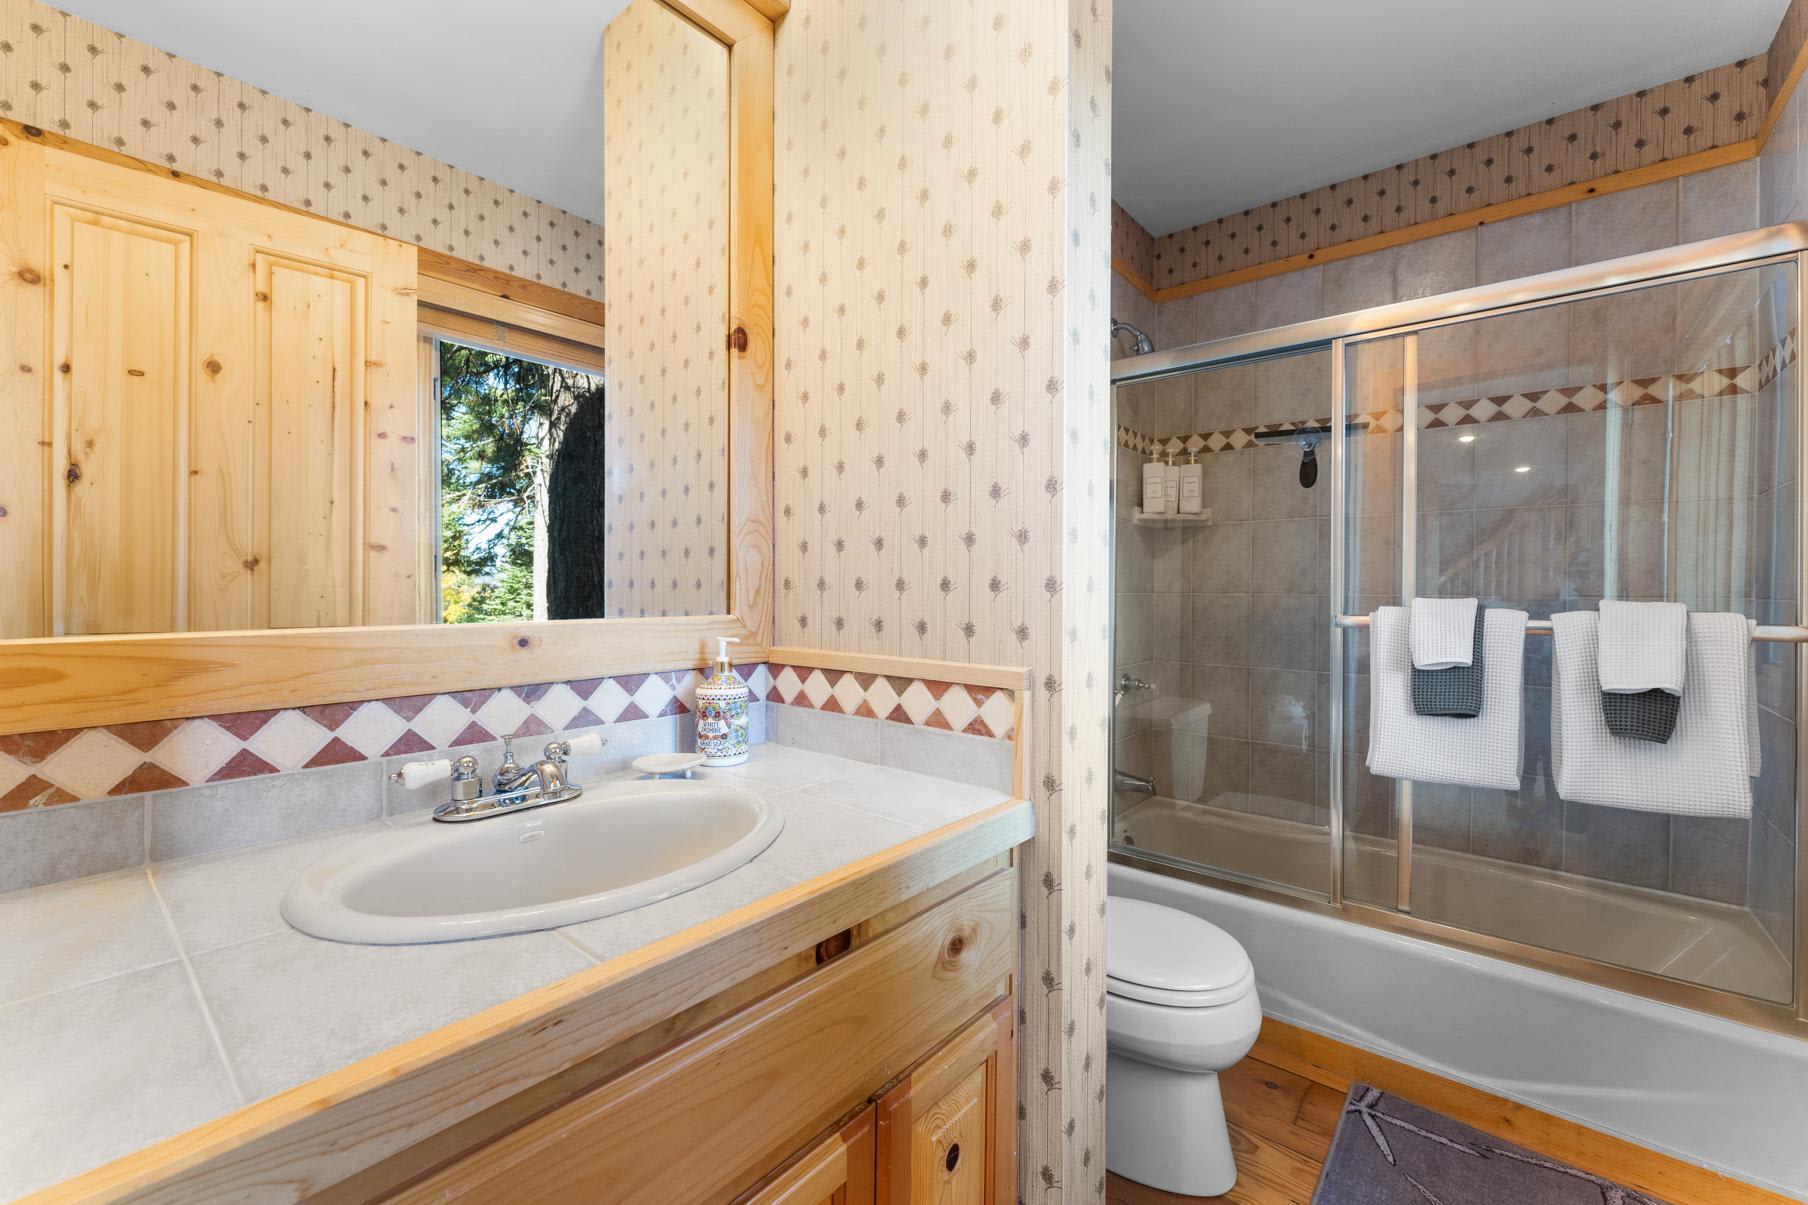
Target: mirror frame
(86, 681)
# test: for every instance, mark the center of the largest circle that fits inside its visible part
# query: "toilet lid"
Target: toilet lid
(1169, 957)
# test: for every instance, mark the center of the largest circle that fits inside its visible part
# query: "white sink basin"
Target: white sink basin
(619, 846)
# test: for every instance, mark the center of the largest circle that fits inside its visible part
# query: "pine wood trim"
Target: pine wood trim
(1136, 279)
(1638, 177)
(443, 269)
(758, 1084)
(86, 681)
(512, 340)
(998, 677)
(499, 307)
(1336, 1065)
(304, 1141)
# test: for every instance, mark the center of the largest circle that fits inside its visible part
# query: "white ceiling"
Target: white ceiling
(511, 91)
(1222, 105)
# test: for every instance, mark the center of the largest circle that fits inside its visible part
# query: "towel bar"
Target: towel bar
(1772, 634)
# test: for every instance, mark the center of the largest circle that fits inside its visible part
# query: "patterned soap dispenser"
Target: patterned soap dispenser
(722, 718)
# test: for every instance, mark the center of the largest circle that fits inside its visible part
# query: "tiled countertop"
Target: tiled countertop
(136, 1005)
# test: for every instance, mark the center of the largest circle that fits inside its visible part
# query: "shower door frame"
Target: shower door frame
(1786, 243)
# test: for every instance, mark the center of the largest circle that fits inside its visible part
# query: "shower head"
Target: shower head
(1120, 327)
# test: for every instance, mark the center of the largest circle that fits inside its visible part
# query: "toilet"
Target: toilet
(1180, 1007)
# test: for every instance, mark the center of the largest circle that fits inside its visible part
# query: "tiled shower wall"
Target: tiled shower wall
(1232, 614)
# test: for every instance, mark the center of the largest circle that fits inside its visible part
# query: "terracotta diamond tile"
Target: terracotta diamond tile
(335, 753)
(33, 747)
(244, 724)
(146, 735)
(34, 792)
(330, 716)
(243, 764)
(149, 776)
(409, 742)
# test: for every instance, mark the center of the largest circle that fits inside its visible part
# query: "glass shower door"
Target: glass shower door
(1635, 444)
(1222, 735)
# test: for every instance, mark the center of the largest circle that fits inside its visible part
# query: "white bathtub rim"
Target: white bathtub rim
(1547, 1096)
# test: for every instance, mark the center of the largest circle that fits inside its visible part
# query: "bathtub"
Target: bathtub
(1706, 1090)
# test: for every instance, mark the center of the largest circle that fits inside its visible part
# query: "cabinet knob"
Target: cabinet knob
(953, 1158)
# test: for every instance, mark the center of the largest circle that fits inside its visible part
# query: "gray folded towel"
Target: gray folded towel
(1455, 692)
(1649, 715)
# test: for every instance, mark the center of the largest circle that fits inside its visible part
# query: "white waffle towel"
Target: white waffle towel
(1486, 751)
(1443, 632)
(1705, 769)
(1642, 646)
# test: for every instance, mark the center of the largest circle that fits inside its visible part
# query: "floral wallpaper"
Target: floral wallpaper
(72, 77)
(666, 275)
(1696, 113)
(1132, 247)
(942, 427)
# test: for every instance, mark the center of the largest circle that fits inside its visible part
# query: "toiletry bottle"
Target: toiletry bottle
(1171, 472)
(1155, 488)
(1192, 486)
(722, 716)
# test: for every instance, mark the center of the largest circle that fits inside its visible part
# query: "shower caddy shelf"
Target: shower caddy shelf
(1142, 519)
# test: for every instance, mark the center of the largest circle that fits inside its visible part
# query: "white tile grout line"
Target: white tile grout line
(194, 984)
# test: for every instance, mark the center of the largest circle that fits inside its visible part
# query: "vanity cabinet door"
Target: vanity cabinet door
(947, 1134)
(836, 1171)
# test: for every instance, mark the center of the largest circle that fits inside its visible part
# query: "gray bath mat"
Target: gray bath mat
(1389, 1151)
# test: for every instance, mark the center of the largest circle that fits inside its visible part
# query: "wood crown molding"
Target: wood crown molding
(1669, 169)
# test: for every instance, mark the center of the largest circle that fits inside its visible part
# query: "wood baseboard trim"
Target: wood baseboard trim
(1336, 1065)
(1638, 177)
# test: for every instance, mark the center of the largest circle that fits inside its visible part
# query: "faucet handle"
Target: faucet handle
(581, 746)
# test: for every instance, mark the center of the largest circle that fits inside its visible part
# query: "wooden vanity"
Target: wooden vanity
(850, 1039)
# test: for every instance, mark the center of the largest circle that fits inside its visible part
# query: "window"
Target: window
(522, 488)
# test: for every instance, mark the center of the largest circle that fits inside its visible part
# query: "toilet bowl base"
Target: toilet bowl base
(1166, 1128)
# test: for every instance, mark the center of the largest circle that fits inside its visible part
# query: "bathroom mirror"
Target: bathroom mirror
(303, 351)
(231, 404)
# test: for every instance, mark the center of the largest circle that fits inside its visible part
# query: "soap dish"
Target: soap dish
(661, 764)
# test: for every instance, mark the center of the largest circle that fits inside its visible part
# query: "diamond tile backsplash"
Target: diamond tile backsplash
(950, 706)
(41, 769)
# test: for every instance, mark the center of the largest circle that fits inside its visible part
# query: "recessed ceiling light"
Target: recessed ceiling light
(1522, 468)
(1465, 439)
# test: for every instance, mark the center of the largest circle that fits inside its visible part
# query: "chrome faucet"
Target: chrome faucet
(517, 787)
(1128, 685)
(1136, 784)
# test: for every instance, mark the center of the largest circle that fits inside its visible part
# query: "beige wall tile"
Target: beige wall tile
(1523, 246)
(1625, 223)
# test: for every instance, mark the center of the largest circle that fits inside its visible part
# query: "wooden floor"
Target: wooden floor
(1284, 1102)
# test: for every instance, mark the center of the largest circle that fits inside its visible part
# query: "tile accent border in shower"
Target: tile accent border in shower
(1573, 399)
